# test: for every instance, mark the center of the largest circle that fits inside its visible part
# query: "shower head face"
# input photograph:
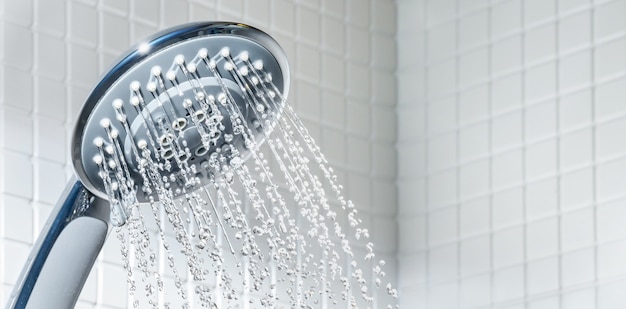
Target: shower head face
(175, 100)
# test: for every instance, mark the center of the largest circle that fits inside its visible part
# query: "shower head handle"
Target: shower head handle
(55, 271)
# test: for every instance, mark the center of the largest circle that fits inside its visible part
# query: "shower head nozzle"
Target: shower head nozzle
(172, 103)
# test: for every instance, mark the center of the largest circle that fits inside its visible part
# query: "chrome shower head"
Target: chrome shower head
(170, 103)
(176, 99)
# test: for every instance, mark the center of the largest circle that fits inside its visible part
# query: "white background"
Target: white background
(512, 153)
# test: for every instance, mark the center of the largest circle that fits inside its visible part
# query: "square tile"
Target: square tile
(384, 161)
(15, 253)
(473, 67)
(384, 123)
(580, 299)
(18, 219)
(506, 131)
(18, 89)
(565, 5)
(442, 151)
(475, 291)
(358, 150)
(440, 77)
(442, 226)
(440, 11)
(508, 247)
(607, 101)
(18, 12)
(577, 229)
(18, 131)
(540, 82)
(259, 11)
(543, 276)
(508, 208)
(576, 149)
(609, 19)
(575, 110)
(117, 34)
(441, 117)
(474, 179)
(542, 238)
(474, 141)
(609, 59)
(506, 93)
(577, 189)
(412, 234)
(50, 181)
(413, 269)
(578, 267)
(17, 174)
(540, 121)
(444, 295)
(538, 10)
(83, 23)
(283, 16)
(443, 263)
(506, 17)
(440, 41)
(473, 104)
(610, 295)
(542, 198)
(474, 217)
(575, 71)
(50, 88)
(359, 118)
(609, 143)
(541, 159)
(51, 56)
(508, 284)
(506, 55)
(358, 81)
(539, 43)
(609, 257)
(475, 255)
(308, 25)
(442, 188)
(51, 140)
(609, 218)
(575, 30)
(610, 179)
(507, 169)
(474, 29)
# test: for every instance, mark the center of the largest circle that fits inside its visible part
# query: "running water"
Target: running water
(242, 208)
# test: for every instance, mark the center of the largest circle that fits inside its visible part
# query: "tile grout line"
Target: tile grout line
(559, 217)
(594, 170)
(425, 71)
(457, 38)
(490, 162)
(523, 163)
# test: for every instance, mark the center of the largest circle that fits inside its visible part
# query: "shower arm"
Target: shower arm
(65, 251)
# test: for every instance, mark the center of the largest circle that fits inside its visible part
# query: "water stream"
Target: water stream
(260, 221)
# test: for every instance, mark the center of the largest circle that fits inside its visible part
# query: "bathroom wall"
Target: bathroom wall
(342, 54)
(512, 155)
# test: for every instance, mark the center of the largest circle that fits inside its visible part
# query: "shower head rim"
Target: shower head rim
(140, 51)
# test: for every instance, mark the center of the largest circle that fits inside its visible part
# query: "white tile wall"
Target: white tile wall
(512, 168)
(342, 55)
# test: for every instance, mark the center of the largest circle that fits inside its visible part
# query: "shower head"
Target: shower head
(176, 99)
(161, 115)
